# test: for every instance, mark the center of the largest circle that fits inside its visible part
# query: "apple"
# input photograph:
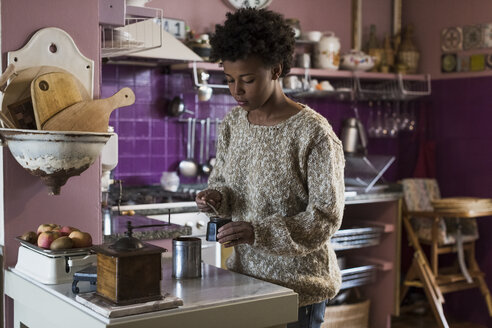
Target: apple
(45, 238)
(80, 239)
(47, 227)
(67, 230)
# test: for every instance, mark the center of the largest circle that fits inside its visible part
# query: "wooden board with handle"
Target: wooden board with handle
(52, 92)
(89, 116)
(17, 102)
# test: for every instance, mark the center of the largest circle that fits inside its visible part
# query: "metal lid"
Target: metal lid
(127, 244)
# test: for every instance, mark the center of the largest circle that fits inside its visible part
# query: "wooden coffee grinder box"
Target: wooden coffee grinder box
(129, 271)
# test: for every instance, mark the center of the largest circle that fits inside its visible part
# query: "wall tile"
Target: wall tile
(151, 142)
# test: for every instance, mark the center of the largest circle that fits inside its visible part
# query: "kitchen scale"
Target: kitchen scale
(52, 267)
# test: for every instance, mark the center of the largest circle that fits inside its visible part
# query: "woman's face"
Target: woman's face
(250, 82)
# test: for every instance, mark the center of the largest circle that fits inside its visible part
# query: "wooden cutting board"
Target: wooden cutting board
(91, 115)
(52, 92)
(110, 310)
(17, 102)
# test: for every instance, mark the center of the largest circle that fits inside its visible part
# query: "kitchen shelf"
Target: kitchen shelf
(347, 85)
(142, 31)
(358, 235)
(362, 271)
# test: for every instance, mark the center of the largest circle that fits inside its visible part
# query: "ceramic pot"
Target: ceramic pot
(327, 52)
(356, 61)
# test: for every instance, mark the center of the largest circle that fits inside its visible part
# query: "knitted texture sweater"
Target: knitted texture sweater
(287, 181)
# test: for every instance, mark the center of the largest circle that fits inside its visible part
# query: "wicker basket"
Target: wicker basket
(347, 316)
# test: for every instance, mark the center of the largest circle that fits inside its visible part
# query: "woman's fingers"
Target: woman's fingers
(235, 233)
(206, 198)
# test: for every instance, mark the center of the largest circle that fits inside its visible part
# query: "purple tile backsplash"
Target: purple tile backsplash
(150, 141)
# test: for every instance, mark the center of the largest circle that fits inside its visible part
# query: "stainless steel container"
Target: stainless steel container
(187, 257)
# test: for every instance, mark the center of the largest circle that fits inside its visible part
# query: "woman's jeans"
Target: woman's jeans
(310, 316)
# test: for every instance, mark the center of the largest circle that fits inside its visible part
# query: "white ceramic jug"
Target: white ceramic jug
(327, 52)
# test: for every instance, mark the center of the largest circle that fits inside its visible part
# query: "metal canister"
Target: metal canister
(187, 257)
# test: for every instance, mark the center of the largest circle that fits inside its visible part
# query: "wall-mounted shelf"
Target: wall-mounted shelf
(137, 33)
(347, 85)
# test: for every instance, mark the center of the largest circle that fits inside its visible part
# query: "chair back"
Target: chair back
(419, 194)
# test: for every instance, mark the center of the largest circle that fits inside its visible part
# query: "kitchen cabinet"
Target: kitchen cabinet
(219, 298)
(382, 259)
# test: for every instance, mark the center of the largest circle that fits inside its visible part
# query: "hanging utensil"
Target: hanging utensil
(204, 91)
(188, 167)
(212, 159)
(208, 169)
(177, 107)
(205, 167)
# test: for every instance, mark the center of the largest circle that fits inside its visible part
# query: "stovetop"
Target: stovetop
(151, 194)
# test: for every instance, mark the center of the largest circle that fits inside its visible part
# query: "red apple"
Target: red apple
(80, 239)
(46, 238)
(47, 227)
(67, 230)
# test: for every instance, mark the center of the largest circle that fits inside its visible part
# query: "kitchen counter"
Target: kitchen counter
(184, 207)
(167, 231)
(219, 299)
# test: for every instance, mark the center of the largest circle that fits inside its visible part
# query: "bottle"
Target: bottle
(408, 54)
(374, 49)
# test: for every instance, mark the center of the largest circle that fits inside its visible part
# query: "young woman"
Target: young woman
(279, 169)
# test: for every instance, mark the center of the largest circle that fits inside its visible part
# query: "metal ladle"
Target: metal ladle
(177, 107)
(188, 167)
(205, 167)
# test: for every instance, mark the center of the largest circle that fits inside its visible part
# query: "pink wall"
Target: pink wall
(322, 15)
(430, 17)
(27, 203)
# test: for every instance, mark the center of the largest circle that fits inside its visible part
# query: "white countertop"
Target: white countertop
(219, 298)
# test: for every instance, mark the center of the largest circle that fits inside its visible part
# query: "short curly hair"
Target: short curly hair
(259, 32)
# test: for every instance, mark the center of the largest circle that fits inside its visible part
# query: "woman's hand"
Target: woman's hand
(236, 233)
(206, 197)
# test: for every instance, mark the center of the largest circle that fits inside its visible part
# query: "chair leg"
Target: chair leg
(434, 247)
(484, 289)
(431, 289)
(411, 275)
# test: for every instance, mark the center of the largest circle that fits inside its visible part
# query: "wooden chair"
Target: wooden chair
(445, 229)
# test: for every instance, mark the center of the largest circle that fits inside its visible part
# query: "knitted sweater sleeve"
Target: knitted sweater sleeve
(309, 230)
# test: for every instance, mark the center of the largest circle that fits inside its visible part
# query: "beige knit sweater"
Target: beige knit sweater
(287, 181)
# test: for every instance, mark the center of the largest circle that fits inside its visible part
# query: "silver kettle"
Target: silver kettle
(354, 139)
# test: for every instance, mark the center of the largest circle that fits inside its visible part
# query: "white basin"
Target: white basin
(54, 156)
